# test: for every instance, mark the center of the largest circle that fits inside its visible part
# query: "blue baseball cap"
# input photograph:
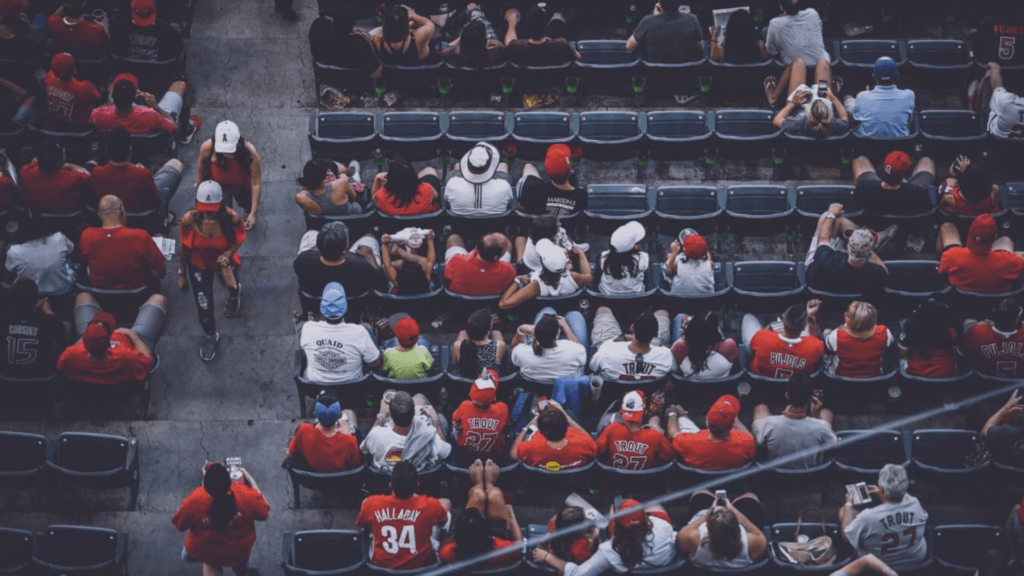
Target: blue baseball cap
(333, 303)
(885, 69)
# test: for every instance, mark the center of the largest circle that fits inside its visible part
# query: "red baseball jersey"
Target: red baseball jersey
(776, 356)
(579, 450)
(994, 353)
(858, 357)
(401, 529)
(481, 429)
(620, 447)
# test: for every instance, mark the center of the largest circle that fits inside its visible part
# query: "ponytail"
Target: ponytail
(545, 334)
(217, 483)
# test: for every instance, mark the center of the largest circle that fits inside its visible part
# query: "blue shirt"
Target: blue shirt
(884, 112)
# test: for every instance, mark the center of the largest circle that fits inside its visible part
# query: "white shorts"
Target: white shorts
(171, 103)
(606, 328)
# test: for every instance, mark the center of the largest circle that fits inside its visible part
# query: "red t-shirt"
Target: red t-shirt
(993, 353)
(646, 448)
(232, 546)
(60, 192)
(698, 450)
(481, 430)
(8, 192)
(84, 39)
(776, 356)
(325, 454)
(119, 258)
(70, 101)
(966, 207)
(203, 251)
(940, 362)
(859, 357)
(233, 180)
(471, 276)
(401, 529)
(422, 203)
(449, 554)
(132, 183)
(579, 450)
(996, 271)
(123, 363)
(141, 120)
(580, 550)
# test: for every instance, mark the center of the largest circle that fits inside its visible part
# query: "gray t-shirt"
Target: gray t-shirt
(783, 436)
(797, 125)
(798, 36)
(669, 38)
(892, 531)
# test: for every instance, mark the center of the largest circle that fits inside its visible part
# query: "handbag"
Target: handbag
(820, 551)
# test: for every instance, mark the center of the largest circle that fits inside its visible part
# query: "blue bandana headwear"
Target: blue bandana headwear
(328, 416)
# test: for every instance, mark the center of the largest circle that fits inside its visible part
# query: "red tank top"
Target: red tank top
(227, 172)
(204, 250)
(859, 357)
(966, 207)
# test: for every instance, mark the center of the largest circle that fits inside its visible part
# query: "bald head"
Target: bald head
(111, 211)
(491, 247)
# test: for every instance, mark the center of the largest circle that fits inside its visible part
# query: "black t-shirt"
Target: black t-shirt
(830, 272)
(157, 42)
(1000, 41)
(550, 53)
(355, 274)
(349, 50)
(32, 343)
(669, 38)
(540, 196)
(1006, 443)
(911, 198)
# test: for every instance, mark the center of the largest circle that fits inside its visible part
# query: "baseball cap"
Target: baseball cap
(485, 388)
(885, 69)
(626, 236)
(556, 162)
(209, 196)
(407, 331)
(982, 234)
(636, 517)
(129, 77)
(143, 12)
(226, 137)
(633, 407)
(333, 303)
(723, 413)
(551, 256)
(895, 168)
(62, 64)
(695, 247)
(860, 244)
(96, 337)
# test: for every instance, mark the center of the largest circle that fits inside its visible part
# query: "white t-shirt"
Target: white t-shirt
(718, 367)
(693, 277)
(798, 36)
(491, 198)
(1006, 117)
(566, 285)
(783, 436)
(566, 359)
(44, 260)
(659, 550)
(615, 360)
(893, 532)
(385, 446)
(628, 285)
(336, 352)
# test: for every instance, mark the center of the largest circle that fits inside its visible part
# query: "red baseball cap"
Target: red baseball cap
(695, 247)
(96, 337)
(556, 163)
(129, 77)
(485, 388)
(636, 517)
(633, 407)
(144, 12)
(982, 234)
(723, 413)
(62, 64)
(407, 331)
(895, 168)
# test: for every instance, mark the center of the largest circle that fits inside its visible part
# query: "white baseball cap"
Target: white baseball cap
(627, 236)
(551, 256)
(209, 196)
(226, 137)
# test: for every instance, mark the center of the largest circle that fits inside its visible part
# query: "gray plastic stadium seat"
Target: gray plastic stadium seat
(96, 461)
(80, 550)
(915, 279)
(610, 134)
(866, 456)
(616, 204)
(533, 132)
(677, 134)
(813, 200)
(15, 552)
(768, 279)
(758, 202)
(24, 461)
(959, 547)
(324, 552)
(934, 61)
(342, 134)
(414, 135)
(945, 452)
(464, 129)
(687, 206)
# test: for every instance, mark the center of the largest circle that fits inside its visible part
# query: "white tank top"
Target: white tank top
(702, 557)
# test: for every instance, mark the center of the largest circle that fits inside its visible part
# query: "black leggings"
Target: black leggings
(201, 282)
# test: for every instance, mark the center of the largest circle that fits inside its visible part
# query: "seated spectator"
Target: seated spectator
(842, 258)
(146, 37)
(969, 190)
(164, 115)
(327, 188)
(544, 227)
(668, 36)
(556, 441)
(403, 512)
(119, 257)
(483, 272)
(402, 192)
(807, 112)
(42, 257)
(796, 34)
(578, 545)
(477, 46)
(725, 445)
(744, 46)
(1001, 107)
(858, 348)
(229, 160)
(68, 99)
(988, 264)
(51, 185)
(70, 32)
(479, 185)
(334, 40)
(17, 105)
(407, 360)
(1002, 28)
(481, 421)
(404, 39)
(870, 564)
(17, 36)
(996, 347)
(885, 111)
(476, 531)
(332, 259)
(139, 190)
(690, 268)
(785, 348)
(623, 265)
(627, 443)
(557, 194)
(554, 278)
(478, 346)
(34, 334)
(700, 350)
(552, 347)
(329, 444)
(107, 355)
(544, 38)
(804, 424)
(640, 356)
(727, 537)
(1004, 432)
(927, 341)
(890, 191)
(640, 537)
(336, 351)
(407, 429)
(868, 531)
(409, 272)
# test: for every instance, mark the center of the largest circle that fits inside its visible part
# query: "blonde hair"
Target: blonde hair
(861, 318)
(819, 116)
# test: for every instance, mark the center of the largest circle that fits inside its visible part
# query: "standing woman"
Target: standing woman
(210, 237)
(220, 517)
(230, 161)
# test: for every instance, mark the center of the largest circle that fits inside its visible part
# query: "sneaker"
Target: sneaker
(234, 303)
(356, 176)
(194, 124)
(208, 349)
(884, 236)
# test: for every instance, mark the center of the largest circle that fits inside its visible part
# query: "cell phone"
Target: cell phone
(822, 89)
(720, 498)
(859, 493)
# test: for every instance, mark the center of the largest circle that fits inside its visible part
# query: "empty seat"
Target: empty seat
(346, 483)
(915, 279)
(947, 132)
(464, 129)
(732, 78)
(80, 550)
(419, 78)
(342, 134)
(540, 78)
(15, 551)
(813, 200)
(946, 451)
(98, 461)
(533, 132)
(476, 81)
(865, 452)
(771, 280)
(673, 78)
(350, 80)
(607, 62)
(1013, 193)
(860, 55)
(687, 206)
(938, 60)
(614, 204)
(758, 202)
(610, 135)
(745, 132)
(677, 134)
(24, 461)
(414, 135)
(959, 547)
(324, 552)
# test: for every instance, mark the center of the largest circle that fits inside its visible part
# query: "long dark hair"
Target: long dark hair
(411, 280)
(927, 329)
(217, 483)
(472, 534)
(545, 334)
(629, 542)
(550, 278)
(473, 44)
(702, 334)
(241, 154)
(724, 534)
(227, 224)
(543, 226)
(478, 326)
(403, 184)
(741, 47)
(568, 516)
(621, 265)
